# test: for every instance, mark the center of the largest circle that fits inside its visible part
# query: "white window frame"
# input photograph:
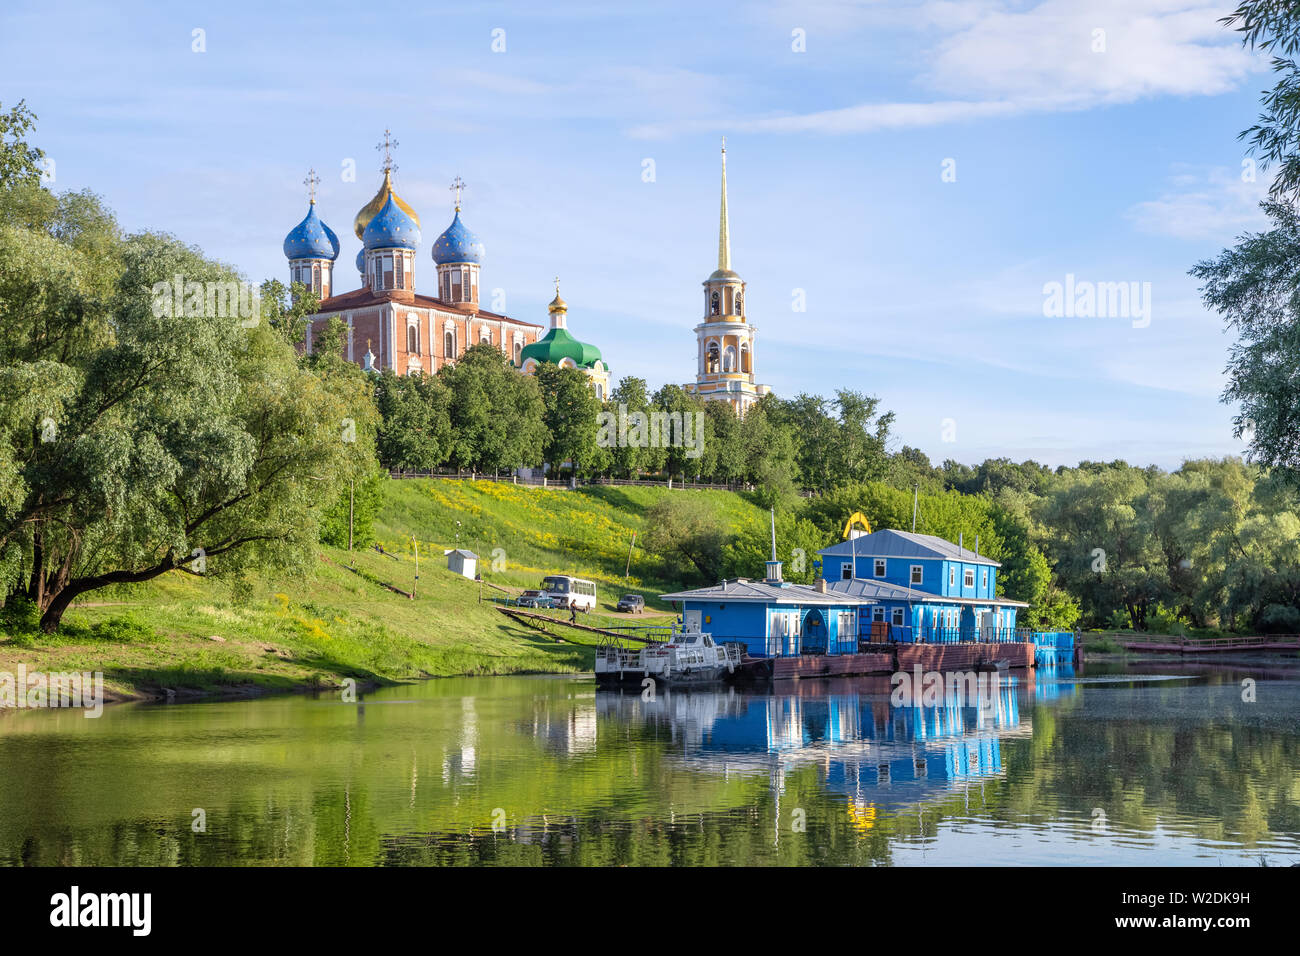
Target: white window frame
(846, 571)
(880, 567)
(952, 576)
(917, 575)
(897, 617)
(968, 578)
(984, 579)
(877, 614)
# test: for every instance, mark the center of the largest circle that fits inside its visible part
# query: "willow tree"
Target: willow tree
(142, 430)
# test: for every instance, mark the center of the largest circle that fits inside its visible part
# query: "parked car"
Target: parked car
(631, 603)
(533, 598)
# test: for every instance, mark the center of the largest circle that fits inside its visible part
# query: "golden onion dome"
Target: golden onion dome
(558, 304)
(371, 209)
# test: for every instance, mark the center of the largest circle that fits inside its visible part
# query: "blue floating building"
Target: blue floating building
(921, 588)
(773, 617)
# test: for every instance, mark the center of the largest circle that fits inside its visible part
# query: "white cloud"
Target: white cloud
(1214, 205)
(997, 58)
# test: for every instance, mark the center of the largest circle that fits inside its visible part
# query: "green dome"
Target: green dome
(558, 344)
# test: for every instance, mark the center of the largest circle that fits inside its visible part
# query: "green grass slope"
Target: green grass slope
(192, 635)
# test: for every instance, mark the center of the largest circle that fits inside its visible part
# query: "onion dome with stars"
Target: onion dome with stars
(457, 244)
(391, 228)
(361, 261)
(311, 238)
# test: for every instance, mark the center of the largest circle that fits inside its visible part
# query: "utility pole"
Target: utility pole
(916, 490)
(628, 569)
(415, 545)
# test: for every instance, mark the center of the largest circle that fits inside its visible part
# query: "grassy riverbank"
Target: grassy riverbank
(196, 636)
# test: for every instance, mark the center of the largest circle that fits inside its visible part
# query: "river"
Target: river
(1155, 761)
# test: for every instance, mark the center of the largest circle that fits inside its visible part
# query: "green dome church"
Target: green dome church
(560, 348)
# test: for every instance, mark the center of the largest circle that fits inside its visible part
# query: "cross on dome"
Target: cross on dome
(311, 182)
(388, 145)
(457, 185)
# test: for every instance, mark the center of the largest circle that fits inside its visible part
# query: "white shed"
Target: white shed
(462, 562)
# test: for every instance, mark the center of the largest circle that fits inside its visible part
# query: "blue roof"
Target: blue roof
(873, 589)
(457, 244)
(761, 592)
(311, 239)
(888, 543)
(361, 260)
(391, 228)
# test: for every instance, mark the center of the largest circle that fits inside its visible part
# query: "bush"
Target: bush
(1279, 619)
(20, 616)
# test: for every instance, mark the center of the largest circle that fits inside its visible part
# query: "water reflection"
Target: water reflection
(550, 771)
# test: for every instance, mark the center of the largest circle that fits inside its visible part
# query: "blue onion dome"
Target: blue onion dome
(361, 261)
(457, 244)
(391, 228)
(311, 239)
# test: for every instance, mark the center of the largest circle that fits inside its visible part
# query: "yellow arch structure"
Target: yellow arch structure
(856, 518)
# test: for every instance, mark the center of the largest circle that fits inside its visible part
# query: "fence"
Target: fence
(566, 484)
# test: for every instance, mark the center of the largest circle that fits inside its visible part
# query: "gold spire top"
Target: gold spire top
(311, 182)
(371, 209)
(557, 304)
(457, 185)
(724, 235)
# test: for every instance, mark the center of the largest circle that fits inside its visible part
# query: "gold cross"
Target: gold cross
(557, 285)
(387, 146)
(311, 182)
(724, 144)
(458, 184)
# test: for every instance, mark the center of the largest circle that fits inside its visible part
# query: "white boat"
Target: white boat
(689, 657)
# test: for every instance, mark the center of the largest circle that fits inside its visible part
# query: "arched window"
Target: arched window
(744, 359)
(729, 359)
(485, 336)
(412, 343)
(711, 365)
(449, 344)
(519, 353)
(600, 392)
(740, 304)
(714, 303)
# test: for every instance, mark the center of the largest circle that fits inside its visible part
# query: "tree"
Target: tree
(797, 539)
(1273, 26)
(687, 535)
(1253, 286)
(19, 161)
(415, 427)
(138, 439)
(571, 410)
(630, 395)
(496, 413)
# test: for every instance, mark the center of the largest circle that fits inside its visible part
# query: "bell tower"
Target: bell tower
(725, 339)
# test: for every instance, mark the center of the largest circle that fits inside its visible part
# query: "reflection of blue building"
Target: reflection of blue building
(858, 739)
(921, 587)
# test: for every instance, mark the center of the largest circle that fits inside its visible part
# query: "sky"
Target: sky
(906, 180)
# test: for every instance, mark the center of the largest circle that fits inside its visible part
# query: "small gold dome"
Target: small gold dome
(371, 209)
(558, 305)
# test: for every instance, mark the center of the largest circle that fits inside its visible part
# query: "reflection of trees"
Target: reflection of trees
(317, 785)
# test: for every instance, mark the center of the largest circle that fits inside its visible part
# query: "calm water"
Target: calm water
(1158, 763)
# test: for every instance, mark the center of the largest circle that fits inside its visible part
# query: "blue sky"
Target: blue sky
(1118, 164)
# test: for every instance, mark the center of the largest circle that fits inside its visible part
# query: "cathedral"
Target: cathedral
(389, 324)
(725, 339)
(413, 333)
